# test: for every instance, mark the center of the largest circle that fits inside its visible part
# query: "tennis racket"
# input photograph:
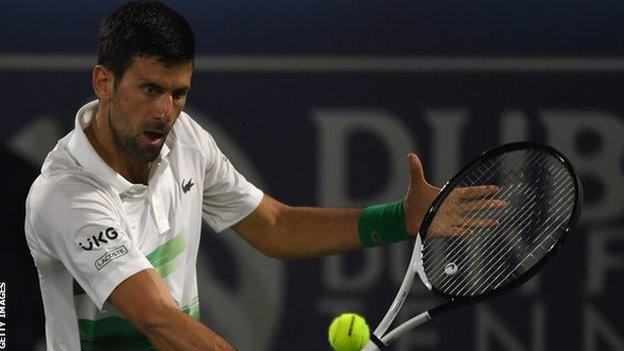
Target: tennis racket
(473, 249)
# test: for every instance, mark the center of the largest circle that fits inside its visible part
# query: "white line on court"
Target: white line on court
(349, 64)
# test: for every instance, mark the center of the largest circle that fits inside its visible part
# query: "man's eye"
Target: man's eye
(178, 96)
(149, 90)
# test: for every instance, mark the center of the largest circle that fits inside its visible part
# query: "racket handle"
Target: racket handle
(371, 347)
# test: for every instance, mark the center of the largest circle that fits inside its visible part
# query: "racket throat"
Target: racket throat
(451, 305)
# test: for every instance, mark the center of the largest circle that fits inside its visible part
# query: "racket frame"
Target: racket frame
(524, 277)
(415, 265)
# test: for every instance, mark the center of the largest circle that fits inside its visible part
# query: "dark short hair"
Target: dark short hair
(144, 29)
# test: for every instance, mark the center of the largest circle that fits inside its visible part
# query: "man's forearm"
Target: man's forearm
(177, 331)
(282, 231)
(312, 232)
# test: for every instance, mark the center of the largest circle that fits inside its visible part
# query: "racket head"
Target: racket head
(464, 290)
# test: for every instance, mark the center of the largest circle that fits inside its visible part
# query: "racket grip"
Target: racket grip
(370, 346)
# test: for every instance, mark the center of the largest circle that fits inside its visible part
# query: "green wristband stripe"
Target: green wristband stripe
(382, 224)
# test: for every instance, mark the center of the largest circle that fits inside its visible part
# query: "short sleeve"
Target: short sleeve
(81, 225)
(228, 197)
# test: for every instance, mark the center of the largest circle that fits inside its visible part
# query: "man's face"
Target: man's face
(145, 104)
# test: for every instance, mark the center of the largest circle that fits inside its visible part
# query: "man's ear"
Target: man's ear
(103, 81)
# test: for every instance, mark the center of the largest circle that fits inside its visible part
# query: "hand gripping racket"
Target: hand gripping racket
(461, 256)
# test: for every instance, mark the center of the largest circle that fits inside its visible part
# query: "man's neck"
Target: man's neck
(101, 138)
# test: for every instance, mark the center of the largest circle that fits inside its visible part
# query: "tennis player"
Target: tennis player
(113, 221)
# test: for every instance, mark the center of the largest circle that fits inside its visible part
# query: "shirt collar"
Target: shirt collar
(80, 147)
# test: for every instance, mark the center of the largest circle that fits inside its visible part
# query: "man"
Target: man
(113, 221)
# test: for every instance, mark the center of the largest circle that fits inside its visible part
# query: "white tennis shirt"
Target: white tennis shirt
(89, 229)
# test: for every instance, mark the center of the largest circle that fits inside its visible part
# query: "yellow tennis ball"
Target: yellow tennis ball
(348, 332)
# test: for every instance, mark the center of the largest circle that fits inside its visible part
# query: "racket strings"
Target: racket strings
(455, 250)
(473, 182)
(540, 195)
(531, 254)
(457, 210)
(460, 248)
(481, 181)
(513, 272)
(518, 239)
(495, 260)
(522, 221)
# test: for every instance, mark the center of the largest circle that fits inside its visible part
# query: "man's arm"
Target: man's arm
(283, 231)
(145, 300)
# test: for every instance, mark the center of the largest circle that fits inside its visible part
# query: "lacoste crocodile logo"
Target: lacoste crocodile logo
(187, 186)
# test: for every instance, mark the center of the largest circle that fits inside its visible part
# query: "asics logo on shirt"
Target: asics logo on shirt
(186, 187)
(102, 238)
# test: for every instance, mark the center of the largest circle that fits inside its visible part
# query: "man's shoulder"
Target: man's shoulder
(61, 169)
(62, 182)
(64, 189)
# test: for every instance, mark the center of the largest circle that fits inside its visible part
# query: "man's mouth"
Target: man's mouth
(154, 137)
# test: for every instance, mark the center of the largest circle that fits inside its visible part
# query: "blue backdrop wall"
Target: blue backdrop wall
(318, 102)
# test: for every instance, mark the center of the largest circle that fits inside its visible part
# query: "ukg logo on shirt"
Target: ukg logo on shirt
(102, 238)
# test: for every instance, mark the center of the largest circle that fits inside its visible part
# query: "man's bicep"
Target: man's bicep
(259, 227)
(141, 296)
(262, 218)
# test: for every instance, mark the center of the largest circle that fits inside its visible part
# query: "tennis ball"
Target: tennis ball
(348, 332)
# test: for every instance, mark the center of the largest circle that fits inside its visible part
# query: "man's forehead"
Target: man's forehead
(154, 70)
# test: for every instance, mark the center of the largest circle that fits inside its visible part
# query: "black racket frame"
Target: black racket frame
(456, 301)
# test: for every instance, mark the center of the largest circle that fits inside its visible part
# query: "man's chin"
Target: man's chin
(147, 153)
(142, 149)
(151, 154)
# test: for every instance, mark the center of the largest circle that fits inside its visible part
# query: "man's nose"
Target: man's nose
(164, 108)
